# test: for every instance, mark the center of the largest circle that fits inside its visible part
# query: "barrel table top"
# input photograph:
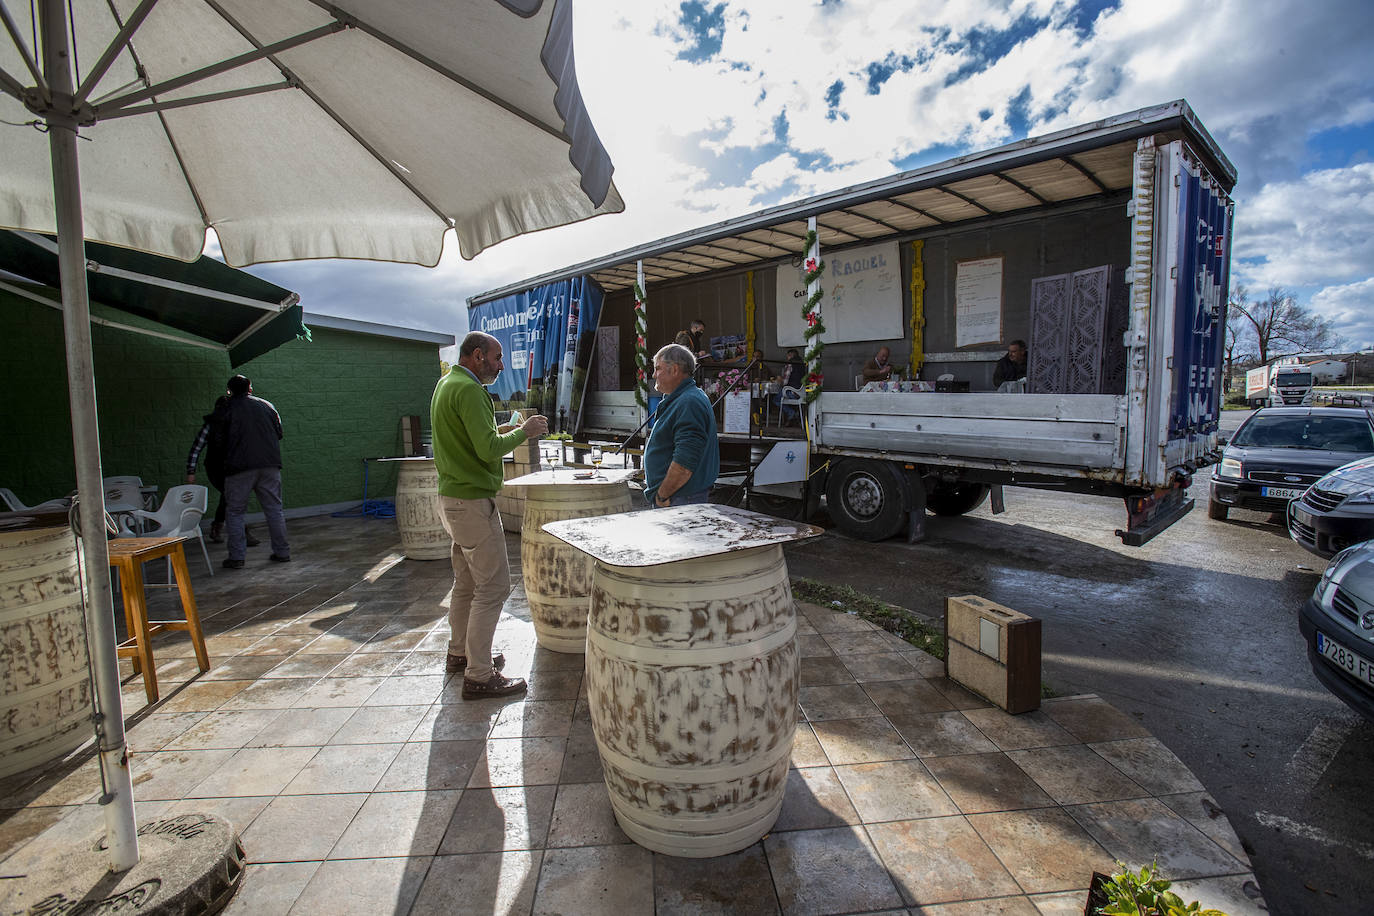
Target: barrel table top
(568, 477)
(656, 536)
(428, 458)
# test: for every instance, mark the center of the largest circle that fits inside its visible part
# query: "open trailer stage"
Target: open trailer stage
(1105, 247)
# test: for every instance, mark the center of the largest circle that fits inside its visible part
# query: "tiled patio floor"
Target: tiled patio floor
(361, 782)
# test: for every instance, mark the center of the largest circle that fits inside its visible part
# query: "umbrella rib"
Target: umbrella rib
(261, 52)
(13, 28)
(198, 100)
(116, 45)
(342, 21)
(439, 68)
(12, 86)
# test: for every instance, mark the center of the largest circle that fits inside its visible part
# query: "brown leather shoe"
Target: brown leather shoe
(455, 664)
(497, 686)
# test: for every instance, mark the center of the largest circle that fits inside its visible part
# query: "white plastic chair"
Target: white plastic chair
(17, 505)
(859, 382)
(791, 397)
(179, 515)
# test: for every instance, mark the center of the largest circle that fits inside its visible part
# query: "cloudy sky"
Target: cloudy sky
(714, 110)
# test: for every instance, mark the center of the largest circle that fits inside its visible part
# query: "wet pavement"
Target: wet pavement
(328, 734)
(1194, 636)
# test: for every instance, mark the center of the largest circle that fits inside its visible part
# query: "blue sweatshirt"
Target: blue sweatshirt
(685, 432)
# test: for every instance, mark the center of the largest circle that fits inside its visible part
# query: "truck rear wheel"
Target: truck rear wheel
(956, 498)
(867, 499)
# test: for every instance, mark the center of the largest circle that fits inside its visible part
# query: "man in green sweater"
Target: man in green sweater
(467, 455)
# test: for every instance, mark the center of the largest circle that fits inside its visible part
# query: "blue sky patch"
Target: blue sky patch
(985, 47)
(706, 27)
(832, 101)
(1084, 13)
(881, 71)
(1339, 147)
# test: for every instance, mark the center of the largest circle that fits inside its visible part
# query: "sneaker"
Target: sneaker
(233, 564)
(455, 664)
(216, 532)
(278, 559)
(497, 686)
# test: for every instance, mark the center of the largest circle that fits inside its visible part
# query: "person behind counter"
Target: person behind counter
(700, 346)
(682, 456)
(878, 369)
(1012, 366)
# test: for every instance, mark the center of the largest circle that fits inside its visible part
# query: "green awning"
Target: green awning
(244, 314)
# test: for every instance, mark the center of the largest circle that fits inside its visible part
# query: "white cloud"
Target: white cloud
(1317, 229)
(1351, 310)
(1264, 75)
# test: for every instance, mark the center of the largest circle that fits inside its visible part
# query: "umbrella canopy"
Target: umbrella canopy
(356, 129)
(246, 315)
(295, 129)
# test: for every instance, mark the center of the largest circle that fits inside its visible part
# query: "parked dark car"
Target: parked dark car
(1338, 624)
(1336, 511)
(1278, 452)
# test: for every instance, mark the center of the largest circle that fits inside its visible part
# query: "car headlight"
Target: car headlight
(1230, 467)
(1363, 498)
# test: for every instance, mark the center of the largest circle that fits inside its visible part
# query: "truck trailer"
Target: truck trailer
(1282, 383)
(1105, 247)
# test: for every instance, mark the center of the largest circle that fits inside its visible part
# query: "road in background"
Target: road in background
(1195, 635)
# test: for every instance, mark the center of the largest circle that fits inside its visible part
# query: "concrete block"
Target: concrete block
(993, 651)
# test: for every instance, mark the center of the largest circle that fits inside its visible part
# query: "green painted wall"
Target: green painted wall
(340, 397)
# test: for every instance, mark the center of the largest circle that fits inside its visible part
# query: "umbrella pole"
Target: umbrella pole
(118, 799)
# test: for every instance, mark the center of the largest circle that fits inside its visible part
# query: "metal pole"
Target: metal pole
(118, 800)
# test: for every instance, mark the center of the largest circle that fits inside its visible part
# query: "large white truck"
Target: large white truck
(1279, 384)
(1106, 247)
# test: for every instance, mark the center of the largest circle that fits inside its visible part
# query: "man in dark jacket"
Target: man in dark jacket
(248, 436)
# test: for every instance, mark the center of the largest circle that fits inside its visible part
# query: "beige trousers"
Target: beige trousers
(481, 580)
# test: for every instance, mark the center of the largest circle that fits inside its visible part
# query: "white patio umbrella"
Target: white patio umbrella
(295, 129)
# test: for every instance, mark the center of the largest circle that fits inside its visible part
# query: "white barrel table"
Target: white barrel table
(558, 577)
(419, 517)
(692, 671)
(44, 684)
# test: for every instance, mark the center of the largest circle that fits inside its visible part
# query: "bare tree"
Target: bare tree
(1236, 344)
(1279, 322)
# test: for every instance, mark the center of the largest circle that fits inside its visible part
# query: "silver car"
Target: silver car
(1338, 624)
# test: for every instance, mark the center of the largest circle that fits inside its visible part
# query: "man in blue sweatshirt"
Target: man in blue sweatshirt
(682, 457)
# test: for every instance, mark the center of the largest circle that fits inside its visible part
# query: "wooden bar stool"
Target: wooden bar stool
(128, 556)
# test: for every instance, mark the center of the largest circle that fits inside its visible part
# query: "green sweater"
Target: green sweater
(467, 447)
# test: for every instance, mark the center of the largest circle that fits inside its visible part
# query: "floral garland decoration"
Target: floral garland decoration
(641, 351)
(814, 326)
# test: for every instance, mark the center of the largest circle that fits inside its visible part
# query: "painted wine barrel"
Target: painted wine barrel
(558, 577)
(44, 685)
(418, 516)
(692, 679)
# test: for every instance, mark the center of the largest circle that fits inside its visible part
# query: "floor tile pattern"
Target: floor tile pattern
(361, 782)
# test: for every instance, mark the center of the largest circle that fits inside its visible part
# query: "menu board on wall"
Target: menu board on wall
(978, 302)
(862, 296)
(737, 412)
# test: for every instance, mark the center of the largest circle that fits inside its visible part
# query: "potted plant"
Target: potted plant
(1143, 893)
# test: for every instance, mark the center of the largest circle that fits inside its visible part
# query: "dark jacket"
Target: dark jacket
(684, 432)
(248, 435)
(1008, 371)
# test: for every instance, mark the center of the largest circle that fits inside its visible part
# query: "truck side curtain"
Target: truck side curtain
(1204, 263)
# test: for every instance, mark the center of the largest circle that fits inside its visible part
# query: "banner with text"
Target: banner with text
(548, 334)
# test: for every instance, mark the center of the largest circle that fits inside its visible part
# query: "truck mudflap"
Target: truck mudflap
(1147, 516)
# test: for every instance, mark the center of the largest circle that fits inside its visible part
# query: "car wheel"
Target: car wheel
(866, 499)
(1216, 510)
